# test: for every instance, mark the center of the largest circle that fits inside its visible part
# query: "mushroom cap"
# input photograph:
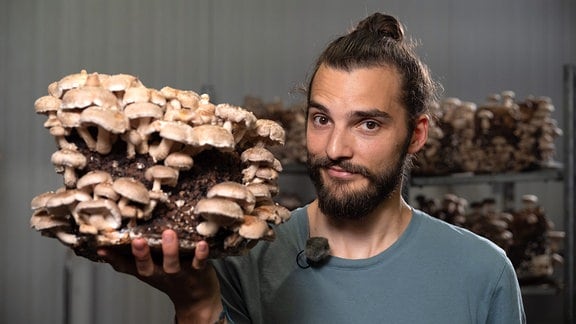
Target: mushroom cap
(166, 175)
(69, 158)
(257, 154)
(110, 119)
(39, 201)
(179, 161)
(93, 178)
(271, 131)
(212, 135)
(120, 82)
(103, 214)
(143, 110)
(530, 198)
(46, 104)
(72, 81)
(69, 118)
(253, 228)
(235, 114)
(207, 228)
(42, 221)
(219, 210)
(260, 190)
(176, 131)
(136, 95)
(188, 99)
(235, 191)
(105, 190)
(87, 96)
(132, 189)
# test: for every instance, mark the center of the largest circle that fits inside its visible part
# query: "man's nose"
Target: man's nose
(340, 145)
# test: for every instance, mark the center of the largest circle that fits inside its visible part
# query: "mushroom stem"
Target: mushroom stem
(87, 137)
(103, 141)
(69, 177)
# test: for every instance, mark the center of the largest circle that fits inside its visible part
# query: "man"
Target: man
(387, 263)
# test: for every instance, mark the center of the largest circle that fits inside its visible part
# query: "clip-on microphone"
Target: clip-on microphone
(316, 253)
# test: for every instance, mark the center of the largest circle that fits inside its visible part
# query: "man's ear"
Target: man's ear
(419, 134)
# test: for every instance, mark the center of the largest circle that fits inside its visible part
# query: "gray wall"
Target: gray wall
(237, 48)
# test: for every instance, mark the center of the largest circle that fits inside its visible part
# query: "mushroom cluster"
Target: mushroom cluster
(138, 160)
(502, 135)
(526, 233)
(293, 120)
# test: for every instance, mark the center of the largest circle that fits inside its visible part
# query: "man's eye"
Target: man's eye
(320, 120)
(370, 125)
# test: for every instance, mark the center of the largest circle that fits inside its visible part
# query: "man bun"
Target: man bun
(382, 24)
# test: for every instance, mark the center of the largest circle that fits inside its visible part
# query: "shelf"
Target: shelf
(474, 179)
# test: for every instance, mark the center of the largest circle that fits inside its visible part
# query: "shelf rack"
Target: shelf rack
(564, 173)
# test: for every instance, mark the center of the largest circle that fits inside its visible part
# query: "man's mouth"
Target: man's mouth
(339, 173)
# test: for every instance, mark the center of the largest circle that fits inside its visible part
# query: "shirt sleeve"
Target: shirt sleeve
(506, 306)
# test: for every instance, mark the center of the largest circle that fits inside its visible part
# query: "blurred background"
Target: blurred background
(229, 49)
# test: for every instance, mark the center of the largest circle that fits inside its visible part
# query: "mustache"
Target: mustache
(325, 162)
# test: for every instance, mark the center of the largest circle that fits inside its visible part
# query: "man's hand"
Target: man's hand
(192, 287)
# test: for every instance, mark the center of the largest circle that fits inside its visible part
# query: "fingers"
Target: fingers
(142, 257)
(200, 256)
(170, 247)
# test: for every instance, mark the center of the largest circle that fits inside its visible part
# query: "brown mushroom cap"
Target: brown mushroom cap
(108, 121)
(105, 190)
(67, 161)
(136, 95)
(212, 135)
(179, 161)
(161, 175)
(235, 191)
(253, 228)
(72, 81)
(131, 189)
(219, 210)
(93, 178)
(102, 214)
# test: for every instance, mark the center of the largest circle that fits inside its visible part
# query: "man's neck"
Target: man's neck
(365, 237)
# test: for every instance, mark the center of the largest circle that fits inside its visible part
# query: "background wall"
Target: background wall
(231, 49)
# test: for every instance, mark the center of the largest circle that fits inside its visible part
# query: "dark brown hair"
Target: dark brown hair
(378, 40)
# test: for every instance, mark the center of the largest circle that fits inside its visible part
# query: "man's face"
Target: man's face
(357, 139)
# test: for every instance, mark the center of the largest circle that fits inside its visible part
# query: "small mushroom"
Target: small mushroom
(222, 211)
(171, 132)
(207, 228)
(72, 81)
(161, 175)
(67, 161)
(100, 215)
(236, 120)
(131, 190)
(254, 228)
(88, 181)
(108, 121)
(270, 133)
(179, 161)
(136, 95)
(49, 106)
(140, 115)
(234, 191)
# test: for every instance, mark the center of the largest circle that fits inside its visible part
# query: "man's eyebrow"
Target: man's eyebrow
(314, 104)
(371, 113)
(358, 114)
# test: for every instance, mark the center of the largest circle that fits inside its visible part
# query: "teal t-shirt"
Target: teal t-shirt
(434, 273)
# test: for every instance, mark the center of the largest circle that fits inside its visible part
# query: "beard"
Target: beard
(339, 201)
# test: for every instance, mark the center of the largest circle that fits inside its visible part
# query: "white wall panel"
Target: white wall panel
(252, 47)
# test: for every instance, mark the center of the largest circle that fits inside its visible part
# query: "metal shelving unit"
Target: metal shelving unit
(564, 173)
